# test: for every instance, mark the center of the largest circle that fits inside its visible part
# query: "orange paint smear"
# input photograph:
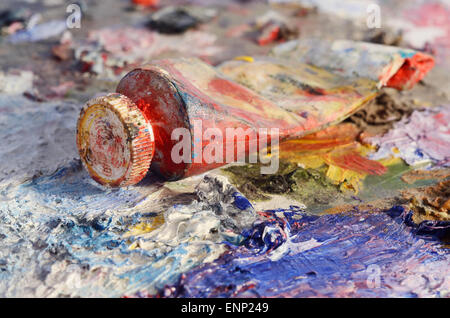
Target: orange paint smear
(330, 137)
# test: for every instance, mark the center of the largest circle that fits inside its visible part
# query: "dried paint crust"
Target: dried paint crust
(430, 203)
(379, 115)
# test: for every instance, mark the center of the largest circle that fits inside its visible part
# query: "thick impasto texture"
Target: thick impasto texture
(359, 206)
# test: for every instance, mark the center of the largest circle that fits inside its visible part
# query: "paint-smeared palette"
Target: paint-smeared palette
(359, 208)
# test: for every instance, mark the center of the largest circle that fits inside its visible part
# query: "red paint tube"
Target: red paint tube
(121, 136)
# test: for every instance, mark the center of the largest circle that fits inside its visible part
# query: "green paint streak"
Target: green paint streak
(309, 186)
(390, 184)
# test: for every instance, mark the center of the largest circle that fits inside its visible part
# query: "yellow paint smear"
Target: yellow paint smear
(145, 226)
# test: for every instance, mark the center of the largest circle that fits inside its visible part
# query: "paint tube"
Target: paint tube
(182, 117)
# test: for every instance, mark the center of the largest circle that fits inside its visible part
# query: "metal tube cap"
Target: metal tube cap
(115, 140)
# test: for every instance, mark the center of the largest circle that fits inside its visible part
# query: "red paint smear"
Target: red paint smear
(440, 118)
(234, 90)
(231, 89)
(269, 35)
(412, 71)
(146, 3)
(355, 162)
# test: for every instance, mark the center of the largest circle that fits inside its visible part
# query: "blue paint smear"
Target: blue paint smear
(72, 221)
(406, 55)
(351, 243)
(241, 202)
(419, 153)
